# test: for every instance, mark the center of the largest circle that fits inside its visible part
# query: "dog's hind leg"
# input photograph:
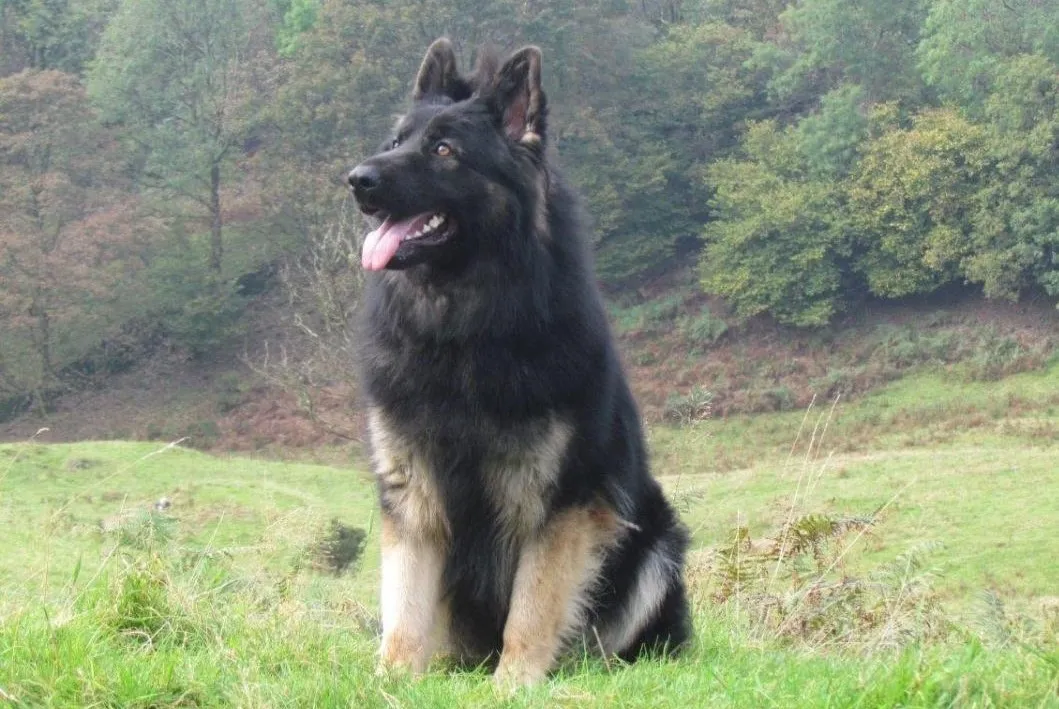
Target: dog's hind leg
(554, 577)
(411, 596)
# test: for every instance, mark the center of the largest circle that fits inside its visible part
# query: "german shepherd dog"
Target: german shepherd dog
(519, 518)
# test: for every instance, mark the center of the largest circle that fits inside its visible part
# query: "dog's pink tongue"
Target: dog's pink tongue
(381, 244)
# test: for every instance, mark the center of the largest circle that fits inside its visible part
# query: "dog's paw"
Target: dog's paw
(401, 657)
(385, 669)
(512, 675)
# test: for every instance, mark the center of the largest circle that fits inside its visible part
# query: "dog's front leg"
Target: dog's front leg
(411, 594)
(549, 594)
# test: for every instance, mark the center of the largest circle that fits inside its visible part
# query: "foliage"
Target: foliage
(777, 241)
(1016, 212)
(908, 203)
(829, 42)
(699, 75)
(299, 16)
(339, 548)
(810, 155)
(186, 80)
(690, 408)
(965, 44)
(51, 34)
(64, 227)
(829, 140)
(703, 329)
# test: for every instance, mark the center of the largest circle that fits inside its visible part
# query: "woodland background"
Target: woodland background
(165, 164)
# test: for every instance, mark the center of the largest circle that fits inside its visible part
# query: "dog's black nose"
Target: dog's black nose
(364, 178)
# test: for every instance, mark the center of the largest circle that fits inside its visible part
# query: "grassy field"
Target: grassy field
(897, 551)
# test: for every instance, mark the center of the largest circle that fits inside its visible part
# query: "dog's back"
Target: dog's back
(518, 512)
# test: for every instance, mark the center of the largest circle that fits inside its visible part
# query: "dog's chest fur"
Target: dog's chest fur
(513, 470)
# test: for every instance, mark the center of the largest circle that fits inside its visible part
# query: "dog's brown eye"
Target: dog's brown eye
(443, 149)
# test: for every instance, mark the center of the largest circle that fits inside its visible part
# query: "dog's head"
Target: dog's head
(461, 176)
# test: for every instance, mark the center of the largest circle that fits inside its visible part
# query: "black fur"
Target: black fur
(484, 336)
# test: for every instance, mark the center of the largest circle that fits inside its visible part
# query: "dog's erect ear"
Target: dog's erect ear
(437, 74)
(519, 96)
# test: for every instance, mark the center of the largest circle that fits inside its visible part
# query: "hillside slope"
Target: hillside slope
(683, 357)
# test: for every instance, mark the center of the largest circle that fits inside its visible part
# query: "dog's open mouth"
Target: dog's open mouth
(428, 229)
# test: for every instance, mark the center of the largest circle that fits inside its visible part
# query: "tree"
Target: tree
(50, 34)
(909, 203)
(965, 43)
(864, 42)
(831, 138)
(63, 217)
(760, 18)
(683, 101)
(185, 79)
(1015, 212)
(778, 242)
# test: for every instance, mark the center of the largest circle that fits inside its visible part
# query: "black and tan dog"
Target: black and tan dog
(519, 516)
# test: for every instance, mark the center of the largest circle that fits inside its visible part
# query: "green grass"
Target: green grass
(930, 410)
(214, 602)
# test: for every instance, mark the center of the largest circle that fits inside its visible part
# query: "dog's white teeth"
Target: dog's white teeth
(434, 222)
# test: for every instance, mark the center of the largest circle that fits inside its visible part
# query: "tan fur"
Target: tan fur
(414, 536)
(406, 483)
(519, 481)
(411, 599)
(531, 56)
(541, 211)
(552, 583)
(557, 559)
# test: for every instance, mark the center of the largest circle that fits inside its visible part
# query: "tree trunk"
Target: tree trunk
(41, 335)
(216, 241)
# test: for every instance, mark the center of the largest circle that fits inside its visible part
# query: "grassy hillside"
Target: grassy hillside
(919, 570)
(676, 344)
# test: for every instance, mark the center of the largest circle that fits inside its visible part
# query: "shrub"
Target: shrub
(689, 408)
(703, 329)
(339, 549)
(647, 317)
(788, 587)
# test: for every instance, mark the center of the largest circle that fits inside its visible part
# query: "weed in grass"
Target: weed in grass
(684, 410)
(786, 587)
(74, 464)
(791, 585)
(144, 608)
(339, 548)
(140, 529)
